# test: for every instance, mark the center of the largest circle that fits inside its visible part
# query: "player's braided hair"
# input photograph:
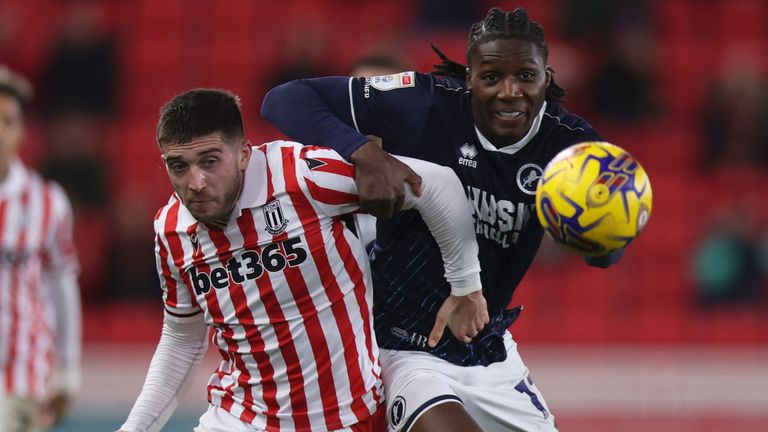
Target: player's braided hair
(499, 24)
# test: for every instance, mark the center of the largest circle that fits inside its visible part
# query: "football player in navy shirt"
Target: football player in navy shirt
(497, 123)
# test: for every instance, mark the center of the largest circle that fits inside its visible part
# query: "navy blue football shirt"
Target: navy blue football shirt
(430, 118)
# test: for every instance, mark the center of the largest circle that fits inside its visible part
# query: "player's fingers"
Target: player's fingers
(437, 332)
(414, 182)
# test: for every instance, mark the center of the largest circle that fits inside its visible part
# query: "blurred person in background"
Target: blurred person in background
(78, 100)
(495, 123)
(622, 88)
(302, 53)
(252, 244)
(728, 264)
(40, 318)
(734, 118)
(375, 65)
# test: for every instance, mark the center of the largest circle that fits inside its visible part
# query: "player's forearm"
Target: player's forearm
(446, 211)
(180, 348)
(315, 112)
(65, 296)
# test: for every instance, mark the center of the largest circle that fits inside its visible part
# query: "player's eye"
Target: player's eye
(177, 167)
(527, 75)
(209, 162)
(490, 78)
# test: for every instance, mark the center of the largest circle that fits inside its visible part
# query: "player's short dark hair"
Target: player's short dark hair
(16, 86)
(499, 24)
(200, 112)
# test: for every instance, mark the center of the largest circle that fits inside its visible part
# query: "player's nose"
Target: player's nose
(510, 88)
(196, 179)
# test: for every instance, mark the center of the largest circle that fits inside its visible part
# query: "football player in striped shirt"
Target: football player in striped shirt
(40, 320)
(497, 123)
(253, 245)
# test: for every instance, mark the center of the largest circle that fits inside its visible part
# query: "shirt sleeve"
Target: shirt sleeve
(442, 205)
(180, 305)
(330, 180)
(181, 347)
(448, 215)
(60, 272)
(338, 112)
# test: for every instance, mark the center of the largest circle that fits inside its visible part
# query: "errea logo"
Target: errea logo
(468, 153)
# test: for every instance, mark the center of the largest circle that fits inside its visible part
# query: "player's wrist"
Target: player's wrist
(464, 291)
(366, 153)
(605, 261)
(67, 379)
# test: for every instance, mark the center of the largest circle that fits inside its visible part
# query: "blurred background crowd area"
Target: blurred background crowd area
(681, 84)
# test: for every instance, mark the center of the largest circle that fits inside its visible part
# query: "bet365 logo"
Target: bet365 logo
(250, 265)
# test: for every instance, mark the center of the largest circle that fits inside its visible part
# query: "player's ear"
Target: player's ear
(467, 74)
(550, 71)
(244, 153)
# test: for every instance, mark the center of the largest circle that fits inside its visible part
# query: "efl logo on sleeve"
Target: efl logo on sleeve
(392, 82)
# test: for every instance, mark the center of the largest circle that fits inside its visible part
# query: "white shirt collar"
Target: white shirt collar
(254, 191)
(514, 148)
(14, 178)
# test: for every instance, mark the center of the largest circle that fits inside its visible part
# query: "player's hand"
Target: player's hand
(380, 179)
(465, 316)
(605, 261)
(56, 408)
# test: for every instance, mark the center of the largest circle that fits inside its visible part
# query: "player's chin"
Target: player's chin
(204, 216)
(507, 136)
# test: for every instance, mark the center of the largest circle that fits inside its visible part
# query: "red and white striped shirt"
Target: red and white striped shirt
(36, 249)
(284, 285)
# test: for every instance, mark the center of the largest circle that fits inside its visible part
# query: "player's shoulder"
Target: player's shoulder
(173, 217)
(448, 85)
(419, 84)
(280, 149)
(53, 189)
(557, 120)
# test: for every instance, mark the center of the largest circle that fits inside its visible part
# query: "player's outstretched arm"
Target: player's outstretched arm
(181, 347)
(65, 294)
(448, 216)
(606, 260)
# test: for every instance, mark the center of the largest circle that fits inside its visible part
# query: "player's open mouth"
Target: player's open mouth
(510, 118)
(508, 115)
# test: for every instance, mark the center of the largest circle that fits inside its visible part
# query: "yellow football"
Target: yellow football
(594, 198)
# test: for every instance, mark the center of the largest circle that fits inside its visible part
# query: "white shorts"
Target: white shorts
(499, 397)
(217, 419)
